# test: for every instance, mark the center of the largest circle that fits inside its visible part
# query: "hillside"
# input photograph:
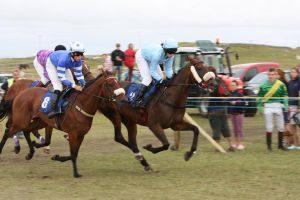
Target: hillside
(287, 57)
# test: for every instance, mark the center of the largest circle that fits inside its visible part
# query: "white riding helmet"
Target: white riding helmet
(77, 47)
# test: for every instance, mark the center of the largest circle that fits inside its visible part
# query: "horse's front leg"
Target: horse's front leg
(132, 132)
(75, 141)
(48, 134)
(185, 126)
(29, 142)
(4, 139)
(115, 119)
(160, 134)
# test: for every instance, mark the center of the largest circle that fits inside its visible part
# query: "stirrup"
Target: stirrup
(53, 114)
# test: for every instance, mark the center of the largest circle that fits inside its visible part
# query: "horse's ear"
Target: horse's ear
(193, 60)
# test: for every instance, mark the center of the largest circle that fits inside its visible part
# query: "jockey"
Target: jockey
(39, 64)
(58, 66)
(148, 60)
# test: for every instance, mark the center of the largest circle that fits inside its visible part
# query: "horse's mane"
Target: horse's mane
(90, 82)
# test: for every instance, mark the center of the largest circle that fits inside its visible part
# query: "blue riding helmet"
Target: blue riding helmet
(170, 46)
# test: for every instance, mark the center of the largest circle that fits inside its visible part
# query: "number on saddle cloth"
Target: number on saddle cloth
(62, 101)
(46, 102)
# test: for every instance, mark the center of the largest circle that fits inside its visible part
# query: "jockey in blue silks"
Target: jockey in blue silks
(148, 60)
(58, 66)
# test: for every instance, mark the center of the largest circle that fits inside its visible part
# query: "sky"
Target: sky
(27, 26)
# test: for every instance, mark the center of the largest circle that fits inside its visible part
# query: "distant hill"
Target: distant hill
(287, 57)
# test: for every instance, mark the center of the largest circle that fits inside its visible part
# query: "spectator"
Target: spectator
(107, 64)
(217, 114)
(23, 68)
(237, 110)
(273, 107)
(129, 60)
(117, 57)
(293, 88)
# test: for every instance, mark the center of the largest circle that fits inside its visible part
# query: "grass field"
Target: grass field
(110, 171)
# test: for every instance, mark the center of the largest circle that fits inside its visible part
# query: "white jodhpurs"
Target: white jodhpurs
(52, 72)
(143, 67)
(40, 70)
(273, 111)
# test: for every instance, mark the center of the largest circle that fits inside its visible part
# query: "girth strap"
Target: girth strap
(83, 112)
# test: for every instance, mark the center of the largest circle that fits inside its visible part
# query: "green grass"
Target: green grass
(110, 171)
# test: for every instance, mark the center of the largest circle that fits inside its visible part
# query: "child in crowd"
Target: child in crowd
(236, 109)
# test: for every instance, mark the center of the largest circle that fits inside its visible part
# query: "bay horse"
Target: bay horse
(6, 103)
(76, 121)
(165, 110)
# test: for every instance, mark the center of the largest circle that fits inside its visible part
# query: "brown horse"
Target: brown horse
(76, 121)
(6, 103)
(166, 110)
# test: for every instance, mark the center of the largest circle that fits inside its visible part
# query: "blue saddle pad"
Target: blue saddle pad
(46, 102)
(132, 92)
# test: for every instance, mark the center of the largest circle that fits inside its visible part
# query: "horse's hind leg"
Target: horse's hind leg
(132, 132)
(29, 142)
(75, 141)
(184, 126)
(160, 134)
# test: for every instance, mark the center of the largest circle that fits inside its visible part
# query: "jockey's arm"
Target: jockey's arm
(169, 68)
(153, 69)
(78, 74)
(61, 72)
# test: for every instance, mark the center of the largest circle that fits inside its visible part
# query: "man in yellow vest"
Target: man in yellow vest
(273, 99)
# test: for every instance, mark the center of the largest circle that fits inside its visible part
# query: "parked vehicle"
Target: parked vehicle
(212, 56)
(247, 71)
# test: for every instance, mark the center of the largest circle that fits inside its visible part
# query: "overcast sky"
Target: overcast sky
(27, 26)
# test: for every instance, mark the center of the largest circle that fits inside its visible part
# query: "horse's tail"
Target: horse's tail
(5, 107)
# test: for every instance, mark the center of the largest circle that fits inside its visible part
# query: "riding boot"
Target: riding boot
(280, 142)
(54, 110)
(269, 140)
(139, 99)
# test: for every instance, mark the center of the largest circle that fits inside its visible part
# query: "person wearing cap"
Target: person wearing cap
(59, 65)
(148, 60)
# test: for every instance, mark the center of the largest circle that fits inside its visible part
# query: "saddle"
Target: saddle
(133, 89)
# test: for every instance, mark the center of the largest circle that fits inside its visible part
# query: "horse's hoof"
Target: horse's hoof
(148, 147)
(29, 156)
(55, 157)
(188, 155)
(148, 169)
(77, 175)
(17, 149)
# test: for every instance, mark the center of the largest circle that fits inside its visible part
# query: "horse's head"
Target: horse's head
(112, 89)
(201, 75)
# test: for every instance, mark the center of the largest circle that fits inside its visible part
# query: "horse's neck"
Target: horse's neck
(87, 99)
(178, 93)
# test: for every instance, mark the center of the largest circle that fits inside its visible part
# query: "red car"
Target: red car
(246, 72)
